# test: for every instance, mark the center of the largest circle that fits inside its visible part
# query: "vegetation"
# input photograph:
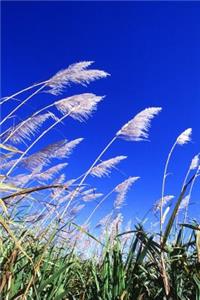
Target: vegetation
(45, 254)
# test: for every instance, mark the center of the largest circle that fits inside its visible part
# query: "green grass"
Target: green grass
(133, 272)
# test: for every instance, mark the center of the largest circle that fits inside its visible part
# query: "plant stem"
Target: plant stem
(5, 99)
(22, 103)
(163, 187)
(189, 195)
(97, 206)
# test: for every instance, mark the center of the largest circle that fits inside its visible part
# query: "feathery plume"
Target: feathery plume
(92, 196)
(195, 162)
(104, 168)
(58, 192)
(79, 107)
(137, 128)
(70, 182)
(71, 193)
(75, 73)
(8, 164)
(20, 179)
(114, 227)
(61, 149)
(90, 191)
(51, 172)
(27, 130)
(184, 203)
(60, 179)
(122, 190)
(104, 221)
(68, 148)
(75, 210)
(163, 201)
(184, 137)
(35, 161)
(4, 158)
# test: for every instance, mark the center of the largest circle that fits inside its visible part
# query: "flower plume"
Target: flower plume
(195, 162)
(50, 172)
(184, 137)
(79, 107)
(184, 203)
(91, 196)
(60, 149)
(122, 189)
(76, 209)
(114, 227)
(162, 202)
(20, 179)
(105, 220)
(76, 73)
(137, 128)
(27, 129)
(104, 168)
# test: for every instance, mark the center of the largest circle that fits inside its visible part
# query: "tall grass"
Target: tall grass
(45, 254)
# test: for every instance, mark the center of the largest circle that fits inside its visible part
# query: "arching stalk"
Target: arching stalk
(97, 206)
(163, 186)
(189, 195)
(5, 99)
(22, 103)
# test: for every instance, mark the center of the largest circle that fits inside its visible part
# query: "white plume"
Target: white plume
(105, 167)
(195, 162)
(162, 202)
(184, 137)
(75, 210)
(137, 128)
(184, 202)
(114, 227)
(105, 220)
(28, 128)
(122, 190)
(92, 196)
(79, 107)
(50, 172)
(75, 73)
(61, 149)
(20, 179)
(58, 192)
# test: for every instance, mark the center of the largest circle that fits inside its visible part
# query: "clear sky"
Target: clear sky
(151, 50)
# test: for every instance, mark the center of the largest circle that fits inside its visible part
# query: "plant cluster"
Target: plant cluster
(45, 254)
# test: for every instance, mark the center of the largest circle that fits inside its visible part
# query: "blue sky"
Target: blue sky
(151, 50)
